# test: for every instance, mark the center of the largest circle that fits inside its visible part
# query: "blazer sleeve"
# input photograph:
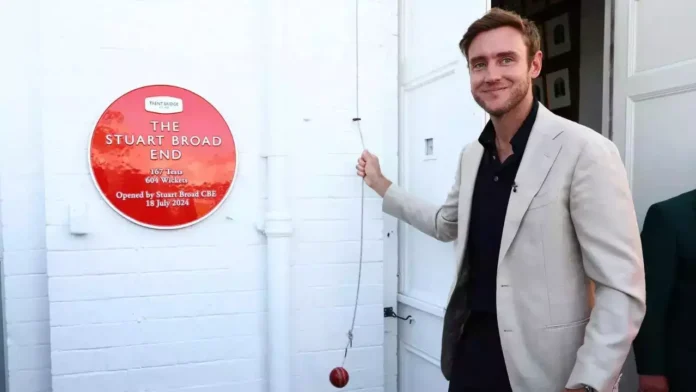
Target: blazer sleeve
(660, 255)
(439, 222)
(603, 214)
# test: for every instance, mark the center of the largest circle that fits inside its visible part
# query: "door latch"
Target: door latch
(389, 312)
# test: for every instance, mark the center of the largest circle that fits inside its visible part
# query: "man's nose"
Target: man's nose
(492, 74)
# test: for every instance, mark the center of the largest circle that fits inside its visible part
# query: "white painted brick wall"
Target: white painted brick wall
(327, 192)
(125, 308)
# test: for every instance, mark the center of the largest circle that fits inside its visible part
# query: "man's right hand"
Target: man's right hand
(368, 168)
(648, 383)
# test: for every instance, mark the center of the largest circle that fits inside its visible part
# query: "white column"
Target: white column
(278, 222)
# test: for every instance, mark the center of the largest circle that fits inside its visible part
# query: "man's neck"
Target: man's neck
(508, 124)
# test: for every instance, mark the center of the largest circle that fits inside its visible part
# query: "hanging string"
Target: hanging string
(356, 120)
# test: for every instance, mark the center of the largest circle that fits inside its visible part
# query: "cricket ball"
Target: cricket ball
(339, 377)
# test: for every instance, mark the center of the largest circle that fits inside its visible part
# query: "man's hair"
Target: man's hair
(496, 18)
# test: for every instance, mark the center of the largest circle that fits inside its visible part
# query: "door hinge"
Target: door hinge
(389, 312)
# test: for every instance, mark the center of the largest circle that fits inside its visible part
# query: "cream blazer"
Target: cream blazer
(570, 284)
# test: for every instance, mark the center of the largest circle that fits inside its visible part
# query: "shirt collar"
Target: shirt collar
(519, 140)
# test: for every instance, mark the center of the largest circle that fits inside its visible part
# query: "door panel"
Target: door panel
(430, 34)
(666, 25)
(438, 116)
(669, 150)
(654, 91)
(424, 373)
(653, 103)
(435, 130)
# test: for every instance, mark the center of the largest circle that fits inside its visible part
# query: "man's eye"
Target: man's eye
(507, 60)
(478, 66)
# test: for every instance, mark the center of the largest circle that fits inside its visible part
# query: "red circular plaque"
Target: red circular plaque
(163, 157)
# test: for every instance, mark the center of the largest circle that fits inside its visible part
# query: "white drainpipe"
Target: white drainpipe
(278, 230)
(277, 224)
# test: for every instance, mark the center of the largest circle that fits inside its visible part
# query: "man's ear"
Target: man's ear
(535, 64)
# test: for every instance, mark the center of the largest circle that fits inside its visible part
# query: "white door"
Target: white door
(653, 103)
(655, 97)
(438, 116)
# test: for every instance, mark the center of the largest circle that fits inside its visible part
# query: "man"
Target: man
(540, 211)
(665, 346)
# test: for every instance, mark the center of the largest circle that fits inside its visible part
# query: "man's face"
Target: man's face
(500, 72)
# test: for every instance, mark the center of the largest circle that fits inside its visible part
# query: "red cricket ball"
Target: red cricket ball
(339, 377)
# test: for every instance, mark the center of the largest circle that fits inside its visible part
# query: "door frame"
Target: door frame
(389, 162)
(608, 70)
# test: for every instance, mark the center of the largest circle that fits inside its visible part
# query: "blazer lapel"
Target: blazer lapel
(539, 156)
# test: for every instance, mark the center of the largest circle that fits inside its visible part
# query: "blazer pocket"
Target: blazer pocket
(569, 325)
(541, 200)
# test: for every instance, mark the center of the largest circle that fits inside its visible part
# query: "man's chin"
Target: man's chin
(496, 110)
